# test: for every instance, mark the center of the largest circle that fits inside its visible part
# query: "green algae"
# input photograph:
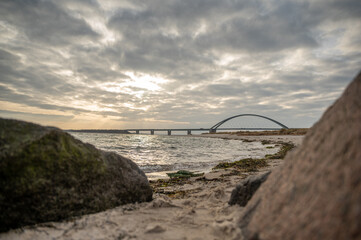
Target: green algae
(158, 184)
(53, 158)
(246, 164)
(285, 147)
(251, 164)
(184, 174)
(52, 170)
(265, 142)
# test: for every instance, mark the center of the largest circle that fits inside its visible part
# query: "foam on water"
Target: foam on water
(157, 154)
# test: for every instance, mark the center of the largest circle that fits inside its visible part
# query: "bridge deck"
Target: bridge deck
(197, 129)
(189, 130)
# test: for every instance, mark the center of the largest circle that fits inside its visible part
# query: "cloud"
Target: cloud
(45, 22)
(34, 116)
(134, 63)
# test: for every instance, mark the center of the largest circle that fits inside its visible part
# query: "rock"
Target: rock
(243, 192)
(47, 175)
(161, 203)
(154, 229)
(214, 175)
(316, 194)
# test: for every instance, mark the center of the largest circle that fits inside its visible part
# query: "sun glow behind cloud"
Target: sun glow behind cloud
(136, 84)
(145, 81)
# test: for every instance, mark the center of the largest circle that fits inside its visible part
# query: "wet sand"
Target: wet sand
(195, 209)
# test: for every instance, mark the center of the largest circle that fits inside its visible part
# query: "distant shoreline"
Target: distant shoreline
(99, 131)
(291, 131)
(295, 139)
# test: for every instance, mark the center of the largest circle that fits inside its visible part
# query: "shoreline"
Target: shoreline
(273, 139)
(295, 139)
(196, 208)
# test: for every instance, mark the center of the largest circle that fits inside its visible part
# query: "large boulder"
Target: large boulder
(316, 194)
(244, 191)
(47, 175)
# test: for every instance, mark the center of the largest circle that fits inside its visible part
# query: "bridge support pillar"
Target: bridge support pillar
(152, 132)
(212, 131)
(137, 131)
(169, 132)
(189, 132)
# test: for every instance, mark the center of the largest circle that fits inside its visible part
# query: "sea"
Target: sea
(158, 154)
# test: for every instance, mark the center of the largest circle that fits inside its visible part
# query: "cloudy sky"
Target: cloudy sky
(175, 63)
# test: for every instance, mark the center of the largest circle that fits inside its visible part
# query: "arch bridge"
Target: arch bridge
(216, 127)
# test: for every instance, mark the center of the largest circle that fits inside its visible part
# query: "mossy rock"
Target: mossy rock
(48, 175)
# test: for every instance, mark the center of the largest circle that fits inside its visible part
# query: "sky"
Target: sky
(175, 63)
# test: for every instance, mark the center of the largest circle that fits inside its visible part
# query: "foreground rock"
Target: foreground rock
(47, 175)
(317, 192)
(244, 191)
(195, 208)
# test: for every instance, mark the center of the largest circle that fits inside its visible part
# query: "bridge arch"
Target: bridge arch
(214, 128)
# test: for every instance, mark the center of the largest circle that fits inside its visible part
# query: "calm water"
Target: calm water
(156, 154)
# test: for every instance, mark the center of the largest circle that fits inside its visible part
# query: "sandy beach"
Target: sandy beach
(194, 209)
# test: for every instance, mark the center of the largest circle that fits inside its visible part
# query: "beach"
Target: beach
(196, 208)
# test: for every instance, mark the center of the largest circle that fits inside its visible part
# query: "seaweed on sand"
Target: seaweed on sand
(251, 164)
(184, 174)
(282, 152)
(246, 164)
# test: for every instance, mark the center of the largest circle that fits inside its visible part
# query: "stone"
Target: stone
(48, 175)
(316, 194)
(215, 175)
(244, 191)
(154, 229)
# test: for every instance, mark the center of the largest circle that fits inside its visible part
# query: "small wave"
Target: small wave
(118, 147)
(156, 168)
(178, 166)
